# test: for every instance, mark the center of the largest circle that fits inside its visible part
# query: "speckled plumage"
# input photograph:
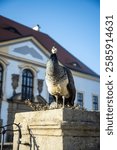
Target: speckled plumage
(60, 81)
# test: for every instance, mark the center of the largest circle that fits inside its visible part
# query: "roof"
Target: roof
(10, 30)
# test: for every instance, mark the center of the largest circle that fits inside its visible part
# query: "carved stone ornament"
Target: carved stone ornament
(15, 80)
(40, 85)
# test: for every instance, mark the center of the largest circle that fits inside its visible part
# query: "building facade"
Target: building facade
(23, 56)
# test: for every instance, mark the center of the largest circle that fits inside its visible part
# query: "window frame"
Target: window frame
(28, 86)
(96, 107)
(79, 92)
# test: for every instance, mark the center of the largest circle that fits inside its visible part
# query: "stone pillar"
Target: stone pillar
(58, 129)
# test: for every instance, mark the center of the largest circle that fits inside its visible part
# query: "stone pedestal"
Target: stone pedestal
(58, 129)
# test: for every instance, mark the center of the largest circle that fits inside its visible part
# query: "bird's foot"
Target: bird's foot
(53, 105)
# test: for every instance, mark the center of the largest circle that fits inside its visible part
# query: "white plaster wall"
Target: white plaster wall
(88, 88)
(4, 112)
(11, 69)
(41, 75)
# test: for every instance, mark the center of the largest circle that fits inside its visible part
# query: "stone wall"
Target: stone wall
(13, 108)
(60, 129)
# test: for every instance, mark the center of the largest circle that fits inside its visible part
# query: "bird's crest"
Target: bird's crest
(54, 50)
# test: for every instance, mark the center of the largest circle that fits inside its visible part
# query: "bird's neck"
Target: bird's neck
(52, 67)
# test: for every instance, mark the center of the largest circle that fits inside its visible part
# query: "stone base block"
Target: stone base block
(58, 129)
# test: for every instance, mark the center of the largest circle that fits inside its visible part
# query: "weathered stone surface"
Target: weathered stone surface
(60, 129)
(14, 107)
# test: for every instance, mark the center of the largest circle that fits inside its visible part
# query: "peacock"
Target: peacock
(59, 80)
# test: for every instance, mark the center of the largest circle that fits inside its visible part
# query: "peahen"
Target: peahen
(60, 81)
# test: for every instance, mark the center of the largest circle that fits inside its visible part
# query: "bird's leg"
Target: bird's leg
(63, 101)
(56, 101)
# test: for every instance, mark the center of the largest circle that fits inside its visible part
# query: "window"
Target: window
(1, 80)
(80, 99)
(95, 102)
(27, 84)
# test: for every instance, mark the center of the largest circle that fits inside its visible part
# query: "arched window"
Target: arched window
(27, 84)
(1, 80)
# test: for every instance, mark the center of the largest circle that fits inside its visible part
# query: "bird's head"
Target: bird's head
(53, 56)
(52, 63)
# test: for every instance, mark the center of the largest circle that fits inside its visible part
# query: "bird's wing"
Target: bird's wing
(70, 86)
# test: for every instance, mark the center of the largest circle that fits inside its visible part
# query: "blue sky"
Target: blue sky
(75, 24)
